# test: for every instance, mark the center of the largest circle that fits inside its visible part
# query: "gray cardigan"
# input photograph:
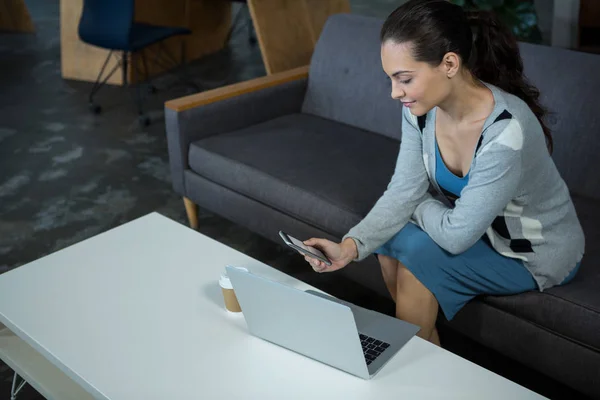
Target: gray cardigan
(515, 195)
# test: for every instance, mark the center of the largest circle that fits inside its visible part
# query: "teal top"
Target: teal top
(450, 184)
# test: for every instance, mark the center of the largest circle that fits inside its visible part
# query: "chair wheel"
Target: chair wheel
(95, 108)
(144, 120)
(152, 89)
(252, 40)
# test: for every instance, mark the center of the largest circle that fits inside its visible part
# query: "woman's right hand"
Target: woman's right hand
(340, 254)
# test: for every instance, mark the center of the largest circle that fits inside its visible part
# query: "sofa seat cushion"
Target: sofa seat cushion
(571, 310)
(319, 171)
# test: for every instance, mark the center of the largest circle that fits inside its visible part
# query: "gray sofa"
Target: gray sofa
(311, 153)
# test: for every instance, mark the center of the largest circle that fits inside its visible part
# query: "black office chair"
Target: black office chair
(109, 24)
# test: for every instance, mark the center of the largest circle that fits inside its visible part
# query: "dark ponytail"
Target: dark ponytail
(487, 47)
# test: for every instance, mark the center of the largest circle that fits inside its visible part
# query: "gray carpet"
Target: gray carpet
(67, 175)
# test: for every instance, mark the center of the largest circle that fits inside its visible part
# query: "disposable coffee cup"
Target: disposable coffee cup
(231, 301)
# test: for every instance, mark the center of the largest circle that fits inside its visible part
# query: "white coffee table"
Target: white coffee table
(137, 313)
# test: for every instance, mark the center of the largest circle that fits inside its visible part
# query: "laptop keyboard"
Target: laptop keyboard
(372, 347)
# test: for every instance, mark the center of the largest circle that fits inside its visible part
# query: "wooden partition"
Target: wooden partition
(287, 30)
(14, 16)
(209, 21)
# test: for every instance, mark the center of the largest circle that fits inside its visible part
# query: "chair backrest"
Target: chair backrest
(106, 23)
(569, 84)
(346, 82)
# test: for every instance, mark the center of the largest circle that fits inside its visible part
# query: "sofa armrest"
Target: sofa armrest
(226, 109)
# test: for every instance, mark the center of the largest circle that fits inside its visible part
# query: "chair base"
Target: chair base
(123, 63)
(144, 120)
(95, 108)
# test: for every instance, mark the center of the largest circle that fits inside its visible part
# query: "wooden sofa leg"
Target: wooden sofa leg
(192, 212)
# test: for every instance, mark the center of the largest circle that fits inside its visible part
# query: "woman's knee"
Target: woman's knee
(407, 282)
(414, 242)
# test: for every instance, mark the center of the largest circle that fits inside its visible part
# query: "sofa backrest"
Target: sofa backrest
(346, 82)
(569, 83)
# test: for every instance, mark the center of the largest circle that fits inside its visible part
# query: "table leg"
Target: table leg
(16, 388)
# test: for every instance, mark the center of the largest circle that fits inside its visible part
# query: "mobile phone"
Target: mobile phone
(304, 249)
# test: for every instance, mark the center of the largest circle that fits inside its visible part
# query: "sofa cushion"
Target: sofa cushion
(572, 310)
(319, 171)
(351, 87)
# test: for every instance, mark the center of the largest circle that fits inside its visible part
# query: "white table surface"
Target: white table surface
(137, 313)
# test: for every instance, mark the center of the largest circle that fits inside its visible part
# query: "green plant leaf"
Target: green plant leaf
(488, 4)
(484, 4)
(519, 15)
(524, 7)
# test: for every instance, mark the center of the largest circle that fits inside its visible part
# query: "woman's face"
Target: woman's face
(418, 85)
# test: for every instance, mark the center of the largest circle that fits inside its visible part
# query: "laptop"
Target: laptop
(342, 335)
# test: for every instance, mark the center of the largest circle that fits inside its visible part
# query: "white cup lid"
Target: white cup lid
(224, 280)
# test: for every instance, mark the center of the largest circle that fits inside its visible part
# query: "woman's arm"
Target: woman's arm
(405, 191)
(493, 183)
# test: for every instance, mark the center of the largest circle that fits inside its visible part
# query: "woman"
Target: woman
(503, 221)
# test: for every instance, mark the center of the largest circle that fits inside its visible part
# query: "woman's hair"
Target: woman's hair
(486, 47)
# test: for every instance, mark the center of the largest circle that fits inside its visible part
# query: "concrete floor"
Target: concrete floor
(67, 175)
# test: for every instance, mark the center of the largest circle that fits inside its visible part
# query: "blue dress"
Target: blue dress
(456, 279)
